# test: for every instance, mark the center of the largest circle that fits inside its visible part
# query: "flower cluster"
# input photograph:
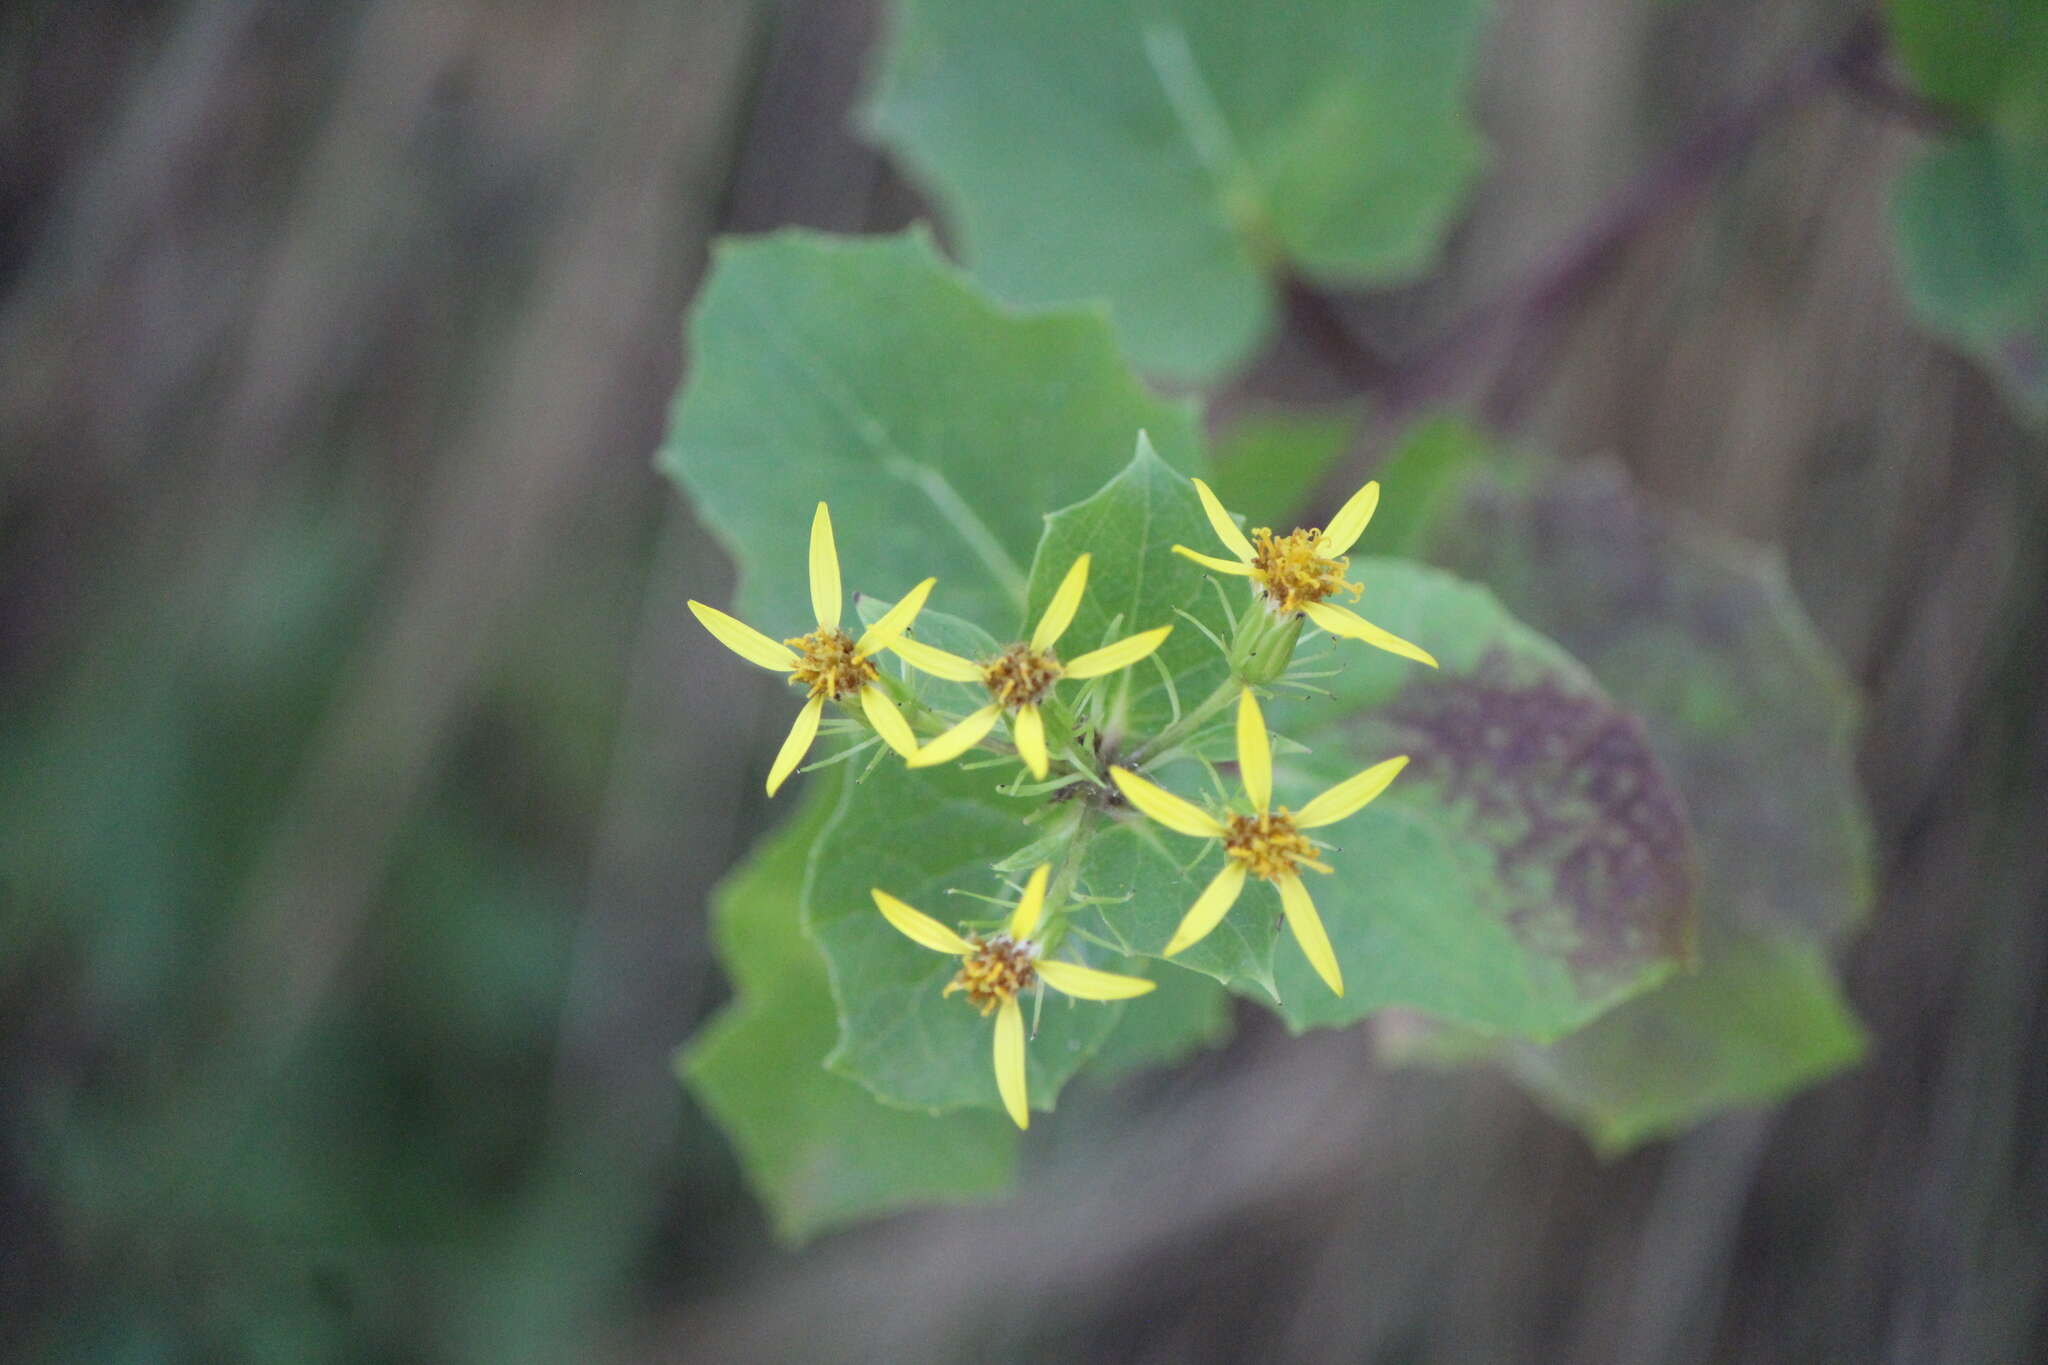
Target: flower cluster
(1062, 748)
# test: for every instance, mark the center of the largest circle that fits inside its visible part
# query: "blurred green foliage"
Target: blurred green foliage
(1972, 212)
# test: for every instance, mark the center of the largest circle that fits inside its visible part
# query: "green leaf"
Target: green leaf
(1702, 638)
(940, 631)
(1763, 1019)
(1268, 466)
(940, 427)
(1150, 877)
(1136, 583)
(1972, 54)
(1971, 215)
(1174, 157)
(1972, 227)
(930, 837)
(1423, 485)
(1188, 1012)
(1530, 869)
(1754, 721)
(818, 1149)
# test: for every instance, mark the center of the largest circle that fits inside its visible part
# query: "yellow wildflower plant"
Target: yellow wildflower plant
(829, 663)
(1268, 843)
(995, 970)
(1299, 572)
(1022, 677)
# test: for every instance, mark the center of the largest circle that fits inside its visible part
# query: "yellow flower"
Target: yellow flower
(1268, 843)
(828, 662)
(994, 971)
(1302, 570)
(1022, 676)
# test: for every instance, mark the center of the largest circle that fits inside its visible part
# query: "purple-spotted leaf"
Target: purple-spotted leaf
(1755, 723)
(1530, 869)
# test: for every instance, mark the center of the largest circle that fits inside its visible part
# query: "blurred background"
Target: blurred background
(362, 777)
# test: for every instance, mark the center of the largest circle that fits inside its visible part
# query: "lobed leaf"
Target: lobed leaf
(1175, 157)
(924, 836)
(817, 1149)
(1135, 583)
(1756, 725)
(1529, 870)
(1971, 220)
(868, 373)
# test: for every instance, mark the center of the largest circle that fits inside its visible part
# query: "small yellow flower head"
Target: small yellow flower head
(828, 664)
(1293, 572)
(995, 970)
(998, 970)
(1267, 843)
(1299, 572)
(1022, 677)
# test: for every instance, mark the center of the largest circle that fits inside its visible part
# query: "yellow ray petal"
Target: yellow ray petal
(1027, 727)
(887, 720)
(1254, 752)
(1349, 796)
(824, 570)
(1183, 817)
(1122, 654)
(936, 662)
(957, 740)
(1345, 528)
(894, 621)
(1352, 626)
(1226, 529)
(1211, 562)
(797, 745)
(1209, 908)
(1059, 613)
(1308, 931)
(743, 640)
(1010, 1062)
(1024, 919)
(919, 927)
(1086, 983)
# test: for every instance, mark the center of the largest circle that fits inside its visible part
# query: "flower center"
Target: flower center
(1021, 676)
(1269, 845)
(827, 665)
(1000, 968)
(1293, 572)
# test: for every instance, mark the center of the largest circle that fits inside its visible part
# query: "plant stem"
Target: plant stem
(1226, 692)
(1523, 318)
(1063, 878)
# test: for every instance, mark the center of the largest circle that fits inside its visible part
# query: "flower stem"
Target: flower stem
(1063, 878)
(1226, 692)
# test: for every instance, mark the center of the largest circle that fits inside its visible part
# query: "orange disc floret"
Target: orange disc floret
(829, 665)
(1021, 676)
(996, 972)
(1269, 845)
(1293, 571)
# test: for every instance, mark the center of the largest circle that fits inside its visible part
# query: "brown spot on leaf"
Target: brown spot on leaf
(1588, 834)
